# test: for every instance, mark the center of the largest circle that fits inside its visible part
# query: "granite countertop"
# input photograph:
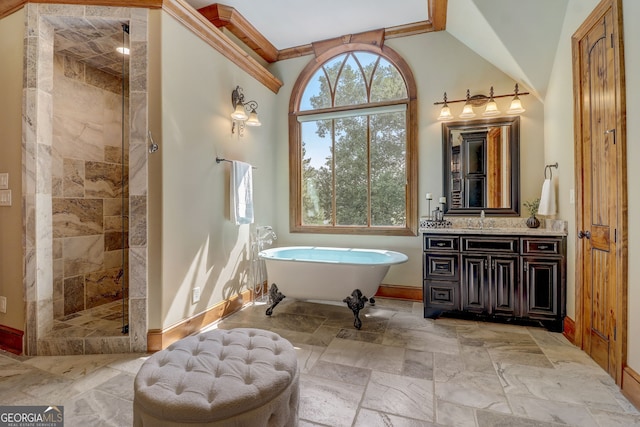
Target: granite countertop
(495, 226)
(513, 231)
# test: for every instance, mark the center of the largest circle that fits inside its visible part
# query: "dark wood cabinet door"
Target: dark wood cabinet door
(474, 284)
(541, 281)
(504, 286)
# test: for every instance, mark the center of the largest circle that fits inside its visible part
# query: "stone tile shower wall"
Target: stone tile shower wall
(38, 167)
(88, 188)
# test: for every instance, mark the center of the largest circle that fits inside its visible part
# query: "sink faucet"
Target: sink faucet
(482, 219)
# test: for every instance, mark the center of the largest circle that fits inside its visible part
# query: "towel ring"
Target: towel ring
(555, 165)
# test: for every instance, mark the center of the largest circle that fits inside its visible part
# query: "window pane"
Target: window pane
(367, 62)
(387, 83)
(317, 93)
(351, 170)
(351, 88)
(317, 180)
(388, 169)
(332, 68)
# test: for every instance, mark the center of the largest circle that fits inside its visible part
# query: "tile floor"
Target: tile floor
(398, 370)
(104, 321)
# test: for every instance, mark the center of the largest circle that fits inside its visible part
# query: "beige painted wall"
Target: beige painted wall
(439, 63)
(200, 246)
(11, 52)
(559, 147)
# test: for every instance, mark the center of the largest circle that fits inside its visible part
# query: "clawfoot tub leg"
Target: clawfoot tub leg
(356, 302)
(275, 296)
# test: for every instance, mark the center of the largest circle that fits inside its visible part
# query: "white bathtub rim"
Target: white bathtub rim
(393, 256)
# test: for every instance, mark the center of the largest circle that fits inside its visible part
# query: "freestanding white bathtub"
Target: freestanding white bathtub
(331, 274)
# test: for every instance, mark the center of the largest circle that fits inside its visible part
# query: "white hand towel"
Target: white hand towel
(241, 193)
(547, 199)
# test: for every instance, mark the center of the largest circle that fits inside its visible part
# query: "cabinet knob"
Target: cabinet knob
(543, 247)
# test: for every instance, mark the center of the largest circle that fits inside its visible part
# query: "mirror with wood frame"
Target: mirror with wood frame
(481, 164)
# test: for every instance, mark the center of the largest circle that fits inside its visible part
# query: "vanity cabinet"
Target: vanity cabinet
(509, 278)
(543, 279)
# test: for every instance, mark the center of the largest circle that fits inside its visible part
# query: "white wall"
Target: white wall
(439, 63)
(199, 245)
(559, 145)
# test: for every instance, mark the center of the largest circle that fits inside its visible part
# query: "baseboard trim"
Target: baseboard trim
(160, 339)
(11, 339)
(569, 329)
(410, 293)
(631, 386)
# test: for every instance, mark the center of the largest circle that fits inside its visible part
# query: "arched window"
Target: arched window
(353, 151)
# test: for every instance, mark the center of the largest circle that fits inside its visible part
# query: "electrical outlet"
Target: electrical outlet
(195, 297)
(3, 304)
(572, 196)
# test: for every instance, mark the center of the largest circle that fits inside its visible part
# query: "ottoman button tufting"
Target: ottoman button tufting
(209, 380)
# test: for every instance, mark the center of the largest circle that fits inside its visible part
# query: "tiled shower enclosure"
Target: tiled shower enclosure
(84, 185)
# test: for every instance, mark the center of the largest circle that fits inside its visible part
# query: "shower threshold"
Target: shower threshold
(102, 321)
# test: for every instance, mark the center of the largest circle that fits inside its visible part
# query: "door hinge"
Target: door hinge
(615, 333)
(611, 37)
(615, 235)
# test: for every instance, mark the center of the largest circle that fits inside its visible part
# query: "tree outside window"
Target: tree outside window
(353, 170)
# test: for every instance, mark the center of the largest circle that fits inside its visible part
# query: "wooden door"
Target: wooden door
(601, 181)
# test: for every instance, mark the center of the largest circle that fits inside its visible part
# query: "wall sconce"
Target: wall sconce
(239, 116)
(491, 108)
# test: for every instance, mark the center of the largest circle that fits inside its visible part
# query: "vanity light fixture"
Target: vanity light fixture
(492, 108)
(445, 111)
(239, 116)
(516, 104)
(489, 103)
(467, 110)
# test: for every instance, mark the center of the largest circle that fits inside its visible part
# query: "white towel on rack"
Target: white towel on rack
(547, 198)
(241, 193)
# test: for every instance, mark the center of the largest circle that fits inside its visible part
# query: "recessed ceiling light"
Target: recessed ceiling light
(123, 50)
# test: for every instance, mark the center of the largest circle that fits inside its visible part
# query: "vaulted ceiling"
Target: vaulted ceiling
(520, 37)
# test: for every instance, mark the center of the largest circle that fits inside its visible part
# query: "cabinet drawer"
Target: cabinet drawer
(441, 243)
(442, 295)
(541, 246)
(490, 244)
(441, 266)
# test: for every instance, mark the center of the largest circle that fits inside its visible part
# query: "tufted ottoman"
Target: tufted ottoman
(238, 377)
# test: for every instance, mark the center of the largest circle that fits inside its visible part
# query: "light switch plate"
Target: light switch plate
(5, 197)
(4, 181)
